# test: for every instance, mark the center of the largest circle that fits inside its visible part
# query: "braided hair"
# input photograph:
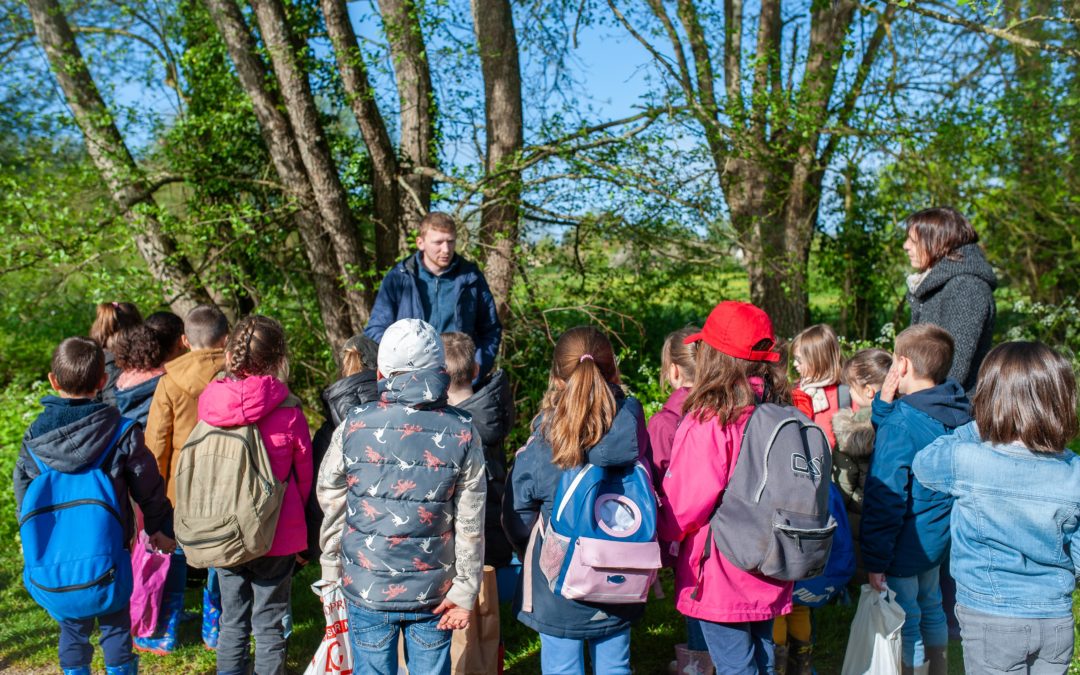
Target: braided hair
(256, 346)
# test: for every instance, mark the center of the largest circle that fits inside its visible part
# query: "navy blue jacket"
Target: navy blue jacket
(905, 526)
(474, 312)
(134, 403)
(531, 491)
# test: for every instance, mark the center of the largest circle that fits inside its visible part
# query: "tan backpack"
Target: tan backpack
(227, 499)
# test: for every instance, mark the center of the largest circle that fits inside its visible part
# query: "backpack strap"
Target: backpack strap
(843, 396)
(527, 573)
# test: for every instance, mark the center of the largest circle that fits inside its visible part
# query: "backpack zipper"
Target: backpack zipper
(68, 505)
(202, 542)
(100, 581)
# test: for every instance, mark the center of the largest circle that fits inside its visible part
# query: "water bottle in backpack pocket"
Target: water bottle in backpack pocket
(600, 545)
(75, 562)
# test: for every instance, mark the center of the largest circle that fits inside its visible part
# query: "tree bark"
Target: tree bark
(401, 19)
(497, 41)
(277, 133)
(127, 184)
(330, 195)
(389, 209)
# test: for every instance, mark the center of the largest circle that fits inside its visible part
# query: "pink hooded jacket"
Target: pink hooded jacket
(231, 403)
(702, 461)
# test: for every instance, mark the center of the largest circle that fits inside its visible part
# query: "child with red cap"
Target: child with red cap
(736, 609)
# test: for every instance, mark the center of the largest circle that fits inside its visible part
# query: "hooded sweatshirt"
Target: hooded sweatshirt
(134, 402)
(905, 526)
(662, 428)
(958, 295)
(257, 400)
(174, 411)
(70, 434)
(492, 410)
(531, 492)
(406, 497)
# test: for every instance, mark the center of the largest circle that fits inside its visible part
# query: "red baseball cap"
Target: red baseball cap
(734, 328)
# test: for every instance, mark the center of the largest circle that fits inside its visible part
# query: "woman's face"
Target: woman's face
(914, 251)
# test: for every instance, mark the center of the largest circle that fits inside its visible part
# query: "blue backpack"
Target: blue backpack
(819, 590)
(75, 563)
(600, 545)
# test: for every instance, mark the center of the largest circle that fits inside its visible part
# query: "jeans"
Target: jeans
(254, 600)
(374, 636)
(115, 640)
(1001, 644)
(695, 639)
(744, 648)
(564, 656)
(924, 621)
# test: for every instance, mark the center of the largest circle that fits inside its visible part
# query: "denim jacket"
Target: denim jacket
(1015, 523)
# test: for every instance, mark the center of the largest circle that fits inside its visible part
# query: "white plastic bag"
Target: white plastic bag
(873, 646)
(334, 654)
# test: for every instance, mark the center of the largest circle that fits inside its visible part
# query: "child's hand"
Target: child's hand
(891, 384)
(453, 617)
(162, 543)
(877, 581)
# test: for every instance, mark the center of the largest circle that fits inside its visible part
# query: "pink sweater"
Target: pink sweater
(231, 403)
(702, 461)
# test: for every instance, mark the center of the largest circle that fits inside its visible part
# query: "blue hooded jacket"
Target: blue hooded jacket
(905, 526)
(474, 306)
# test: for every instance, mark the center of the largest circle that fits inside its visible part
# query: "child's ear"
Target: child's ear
(184, 341)
(54, 383)
(101, 383)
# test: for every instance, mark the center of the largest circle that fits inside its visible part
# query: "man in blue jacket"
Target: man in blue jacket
(441, 288)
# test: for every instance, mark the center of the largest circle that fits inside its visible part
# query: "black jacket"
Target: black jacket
(958, 295)
(71, 434)
(492, 410)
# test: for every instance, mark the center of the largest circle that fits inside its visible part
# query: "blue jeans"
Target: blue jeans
(374, 638)
(75, 649)
(695, 639)
(564, 656)
(744, 648)
(924, 621)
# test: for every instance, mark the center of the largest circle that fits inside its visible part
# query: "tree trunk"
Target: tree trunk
(127, 184)
(401, 19)
(361, 97)
(497, 41)
(278, 135)
(330, 195)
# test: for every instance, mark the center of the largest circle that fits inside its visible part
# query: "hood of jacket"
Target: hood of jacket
(347, 393)
(459, 266)
(74, 444)
(854, 432)
(947, 403)
(674, 403)
(423, 388)
(190, 372)
(137, 398)
(492, 409)
(972, 262)
(232, 403)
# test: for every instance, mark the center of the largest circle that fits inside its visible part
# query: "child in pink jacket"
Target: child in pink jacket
(735, 608)
(255, 595)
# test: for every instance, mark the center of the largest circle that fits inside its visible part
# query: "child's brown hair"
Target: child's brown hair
(818, 349)
(256, 346)
(113, 317)
(676, 352)
(867, 367)
(929, 348)
(1027, 394)
(723, 387)
(78, 364)
(579, 405)
(205, 327)
(460, 351)
(139, 348)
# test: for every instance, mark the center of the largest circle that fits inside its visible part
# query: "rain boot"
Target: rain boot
(79, 670)
(800, 657)
(780, 659)
(211, 617)
(938, 659)
(163, 641)
(129, 668)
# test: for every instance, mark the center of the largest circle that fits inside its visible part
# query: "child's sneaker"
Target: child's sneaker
(211, 616)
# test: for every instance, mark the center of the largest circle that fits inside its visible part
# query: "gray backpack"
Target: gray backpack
(773, 519)
(227, 499)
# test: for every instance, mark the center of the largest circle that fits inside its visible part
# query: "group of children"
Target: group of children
(405, 495)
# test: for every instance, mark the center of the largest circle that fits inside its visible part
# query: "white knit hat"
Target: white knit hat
(410, 344)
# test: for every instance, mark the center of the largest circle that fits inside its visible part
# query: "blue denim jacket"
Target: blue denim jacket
(1015, 523)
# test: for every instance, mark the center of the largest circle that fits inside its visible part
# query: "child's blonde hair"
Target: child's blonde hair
(579, 405)
(818, 349)
(676, 352)
(256, 346)
(867, 367)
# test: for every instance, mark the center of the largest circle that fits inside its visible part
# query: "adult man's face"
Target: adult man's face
(437, 249)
